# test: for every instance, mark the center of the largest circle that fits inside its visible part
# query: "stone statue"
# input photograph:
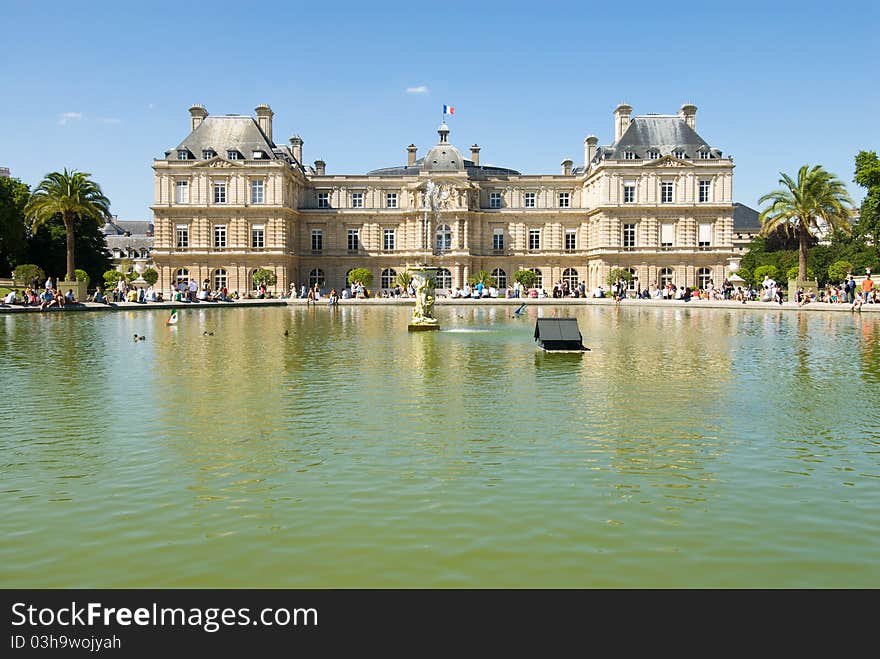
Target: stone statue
(423, 313)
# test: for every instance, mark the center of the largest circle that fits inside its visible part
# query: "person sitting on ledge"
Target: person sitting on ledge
(10, 298)
(69, 297)
(47, 300)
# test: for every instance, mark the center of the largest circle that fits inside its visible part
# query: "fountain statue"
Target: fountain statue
(423, 314)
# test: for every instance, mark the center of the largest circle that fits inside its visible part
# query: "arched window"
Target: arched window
(219, 279)
(388, 277)
(631, 284)
(316, 276)
(443, 238)
(500, 277)
(666, 276)
(444, 278)
(570, 277)
(181, 275)
(703, 277)
(539, 278)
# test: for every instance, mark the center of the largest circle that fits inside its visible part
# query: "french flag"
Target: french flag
(448, 109)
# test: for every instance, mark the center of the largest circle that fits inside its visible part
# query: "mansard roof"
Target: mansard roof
(663, 133)
(230, 133)
(473, 171)
(745, 218)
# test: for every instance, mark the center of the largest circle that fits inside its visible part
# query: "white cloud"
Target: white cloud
(150, 106)
(421, 89)
(64, 117)
(110, 120)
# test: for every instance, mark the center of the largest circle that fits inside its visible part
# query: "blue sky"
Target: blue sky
(104, 87)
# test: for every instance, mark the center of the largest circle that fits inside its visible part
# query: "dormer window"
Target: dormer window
(681, 155)
(652, 154)
(182, 154)
(207, 154)
(629, 155)
(232, 155)
(705, 155)
(258, 155)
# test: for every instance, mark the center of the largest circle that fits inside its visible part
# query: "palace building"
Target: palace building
(230, 200)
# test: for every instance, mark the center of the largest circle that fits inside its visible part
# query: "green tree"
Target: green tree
(526, 278)
(839, 270)
(404, 279)
(14, 196)
(47, 247)
(792, 273)
(617, 274)
(483, 277)
(868, 176)
(69, 194)
(361, 276)
(764, 271)
(150, 276)
(111, 278)
(82, 275)
(25, 273)
(799, 205)
(265, 278)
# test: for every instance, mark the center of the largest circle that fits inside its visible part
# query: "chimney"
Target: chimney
(296, 148)
(688, 114)
(411, 155)
(475, 154)
(622, 114)
(320, 166)
(197, 114)
(589, 150)
(566, 167)
(264, 119)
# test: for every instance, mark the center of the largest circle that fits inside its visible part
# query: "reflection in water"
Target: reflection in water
(350, 452)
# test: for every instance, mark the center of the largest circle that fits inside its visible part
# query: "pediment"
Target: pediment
(219, 162)
(671, 161)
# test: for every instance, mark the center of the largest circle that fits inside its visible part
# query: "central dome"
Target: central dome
(443, 158)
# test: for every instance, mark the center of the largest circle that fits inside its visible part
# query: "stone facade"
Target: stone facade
(229, 200)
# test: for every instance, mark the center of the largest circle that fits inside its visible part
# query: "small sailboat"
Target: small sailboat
(173, 319)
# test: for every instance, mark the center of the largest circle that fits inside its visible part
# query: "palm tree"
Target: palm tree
(482, 277)
(69, 194)
(404, 279)
(798, 206)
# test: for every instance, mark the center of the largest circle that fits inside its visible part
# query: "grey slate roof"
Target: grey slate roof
(227, 133)
(745, 218)
(663, 133)
(119, 227)
(473, 171)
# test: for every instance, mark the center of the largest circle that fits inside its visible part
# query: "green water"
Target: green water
(706, 448)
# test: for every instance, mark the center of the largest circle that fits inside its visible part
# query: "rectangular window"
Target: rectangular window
(182, 154)
(498, 239)
(529, 200)
(667, 233)
(705, 155)
(257, 191)
(219, 236)
(629, 155)
(564, 199)
(570, 240)
(704, 235)
(353, 240)
(652, 155)
(357, 199)
(323, 200)
(391, 200)
(629, 193)
(181, 192)
(182, 236)
(388, 239)
(534, 239)
(629, 236)
(666, 192)
(232, 155)
(317, 240)
(705, 192)
(258, 236)
(494, 200)
(219, 193)
(207, 154)
(681, 155)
